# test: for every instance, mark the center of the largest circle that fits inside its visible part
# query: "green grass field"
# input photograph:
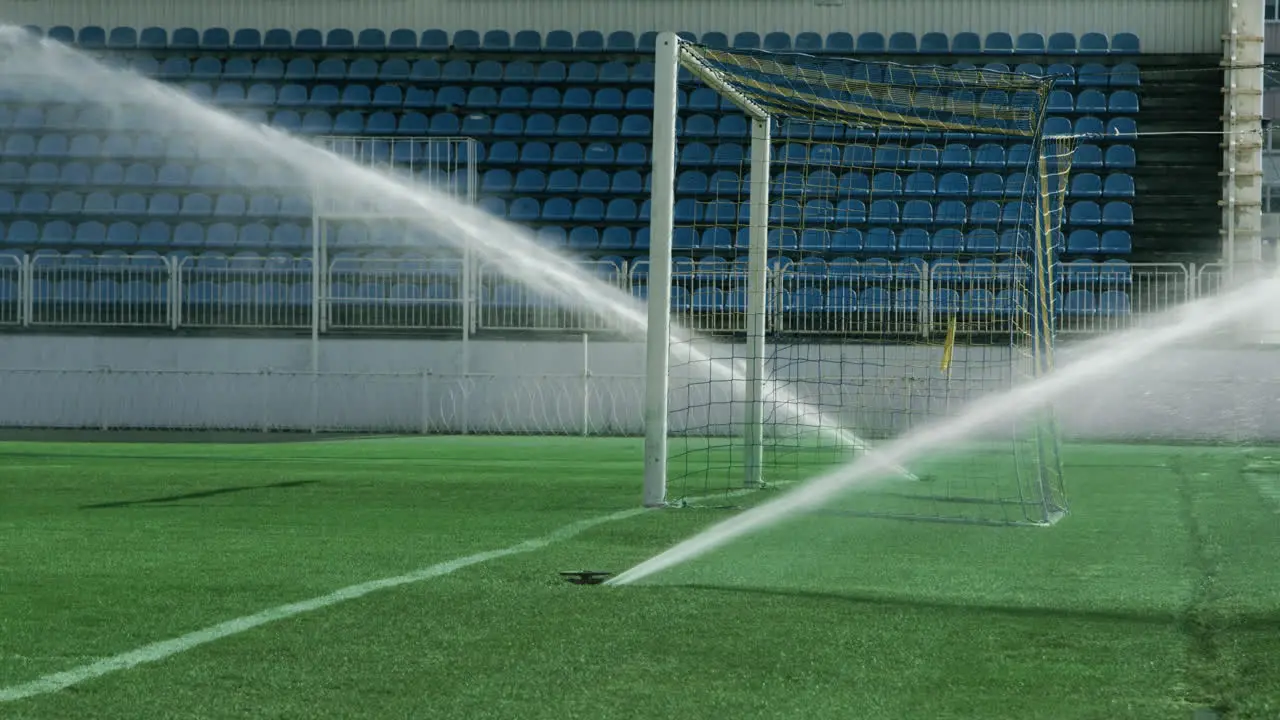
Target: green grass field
(1158, 597)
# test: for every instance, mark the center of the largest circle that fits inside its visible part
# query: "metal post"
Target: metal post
(317, 296)
(757, 305)
(657, 339)
(424, 398)
(586, 385)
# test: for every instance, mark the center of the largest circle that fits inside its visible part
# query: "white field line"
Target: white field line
(166, 648)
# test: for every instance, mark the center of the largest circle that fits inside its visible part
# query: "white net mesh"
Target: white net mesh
(913, 214)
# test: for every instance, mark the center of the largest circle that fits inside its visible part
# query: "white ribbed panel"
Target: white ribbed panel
(1166, 26)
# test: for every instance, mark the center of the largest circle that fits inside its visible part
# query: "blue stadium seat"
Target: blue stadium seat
(122, 232)
(527, 41)
(1061, 102)
(777, 41)
(621, 41)
(1086, 185)
(1062, 43)
(1125, 43)
(988, 185)
(1094, 43)
(1082, 242)
(1118, 185)
(368, 39)
(1088, 101)
(308, 39)
(809, 43)
(1120, 157)
(840, 43)
(558, 41)
(998, 43)
(1079, 303)
(715, 39)
(1030, 43)
(1116, 242)
(953, 185)
(294, 95)
(21, 232)
(1117, 213)
(951, 212)
(1123, 102)
(1085, 212)
(122, 38)
(966, 43)
(1089, 126)
(1088, 157)
(363, 69)
(273, 39)
(513, 98)
(947, 241)
(746, 40)
(590, 41)
(184, 38)
(215, 38)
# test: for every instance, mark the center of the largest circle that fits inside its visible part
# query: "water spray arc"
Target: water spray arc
(40, 69)
(1099, 359)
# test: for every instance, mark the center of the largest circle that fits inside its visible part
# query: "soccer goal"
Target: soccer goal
(855, 248)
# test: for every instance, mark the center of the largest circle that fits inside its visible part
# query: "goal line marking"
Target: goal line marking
(157, 651)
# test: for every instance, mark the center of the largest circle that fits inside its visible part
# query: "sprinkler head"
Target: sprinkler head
(585, 577)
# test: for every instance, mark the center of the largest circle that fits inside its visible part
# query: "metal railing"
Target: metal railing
(433, 294)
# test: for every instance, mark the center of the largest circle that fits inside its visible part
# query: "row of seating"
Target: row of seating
(162, 204)
(819, 183)
(593, 41)
(500, 181)
(124, 233)
(1087, 156)
(515, 97)
(552, 72)
(538, 125)
(714, 268)
(813, 213)
(688, 211)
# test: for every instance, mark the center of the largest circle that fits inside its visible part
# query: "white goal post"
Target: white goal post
(671, 56)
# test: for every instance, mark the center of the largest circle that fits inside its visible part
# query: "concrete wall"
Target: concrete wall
(1166, 26)
(566, 387)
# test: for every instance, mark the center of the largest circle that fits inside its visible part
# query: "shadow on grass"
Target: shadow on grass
(196, 495)
(1239, 621)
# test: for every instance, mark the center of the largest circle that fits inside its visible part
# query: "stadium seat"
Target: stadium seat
(1115, 242)
(1125, 43)
(1030, 43)
(1094, 43)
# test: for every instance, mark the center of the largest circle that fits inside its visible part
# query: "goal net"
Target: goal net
(857, 248)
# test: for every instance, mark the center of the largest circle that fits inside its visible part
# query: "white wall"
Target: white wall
(1167, 26)
(552, 386)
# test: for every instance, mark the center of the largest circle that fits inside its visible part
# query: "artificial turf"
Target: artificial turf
(1156, 598)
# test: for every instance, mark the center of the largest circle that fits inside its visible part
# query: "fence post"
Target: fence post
(27, 290)
(465, 387)
(315, 400)
(266, 403)
(424, 390)
(175, 292)
(586, 385)
(104, 402)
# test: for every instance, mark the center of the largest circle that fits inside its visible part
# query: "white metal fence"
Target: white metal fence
(433, 294)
